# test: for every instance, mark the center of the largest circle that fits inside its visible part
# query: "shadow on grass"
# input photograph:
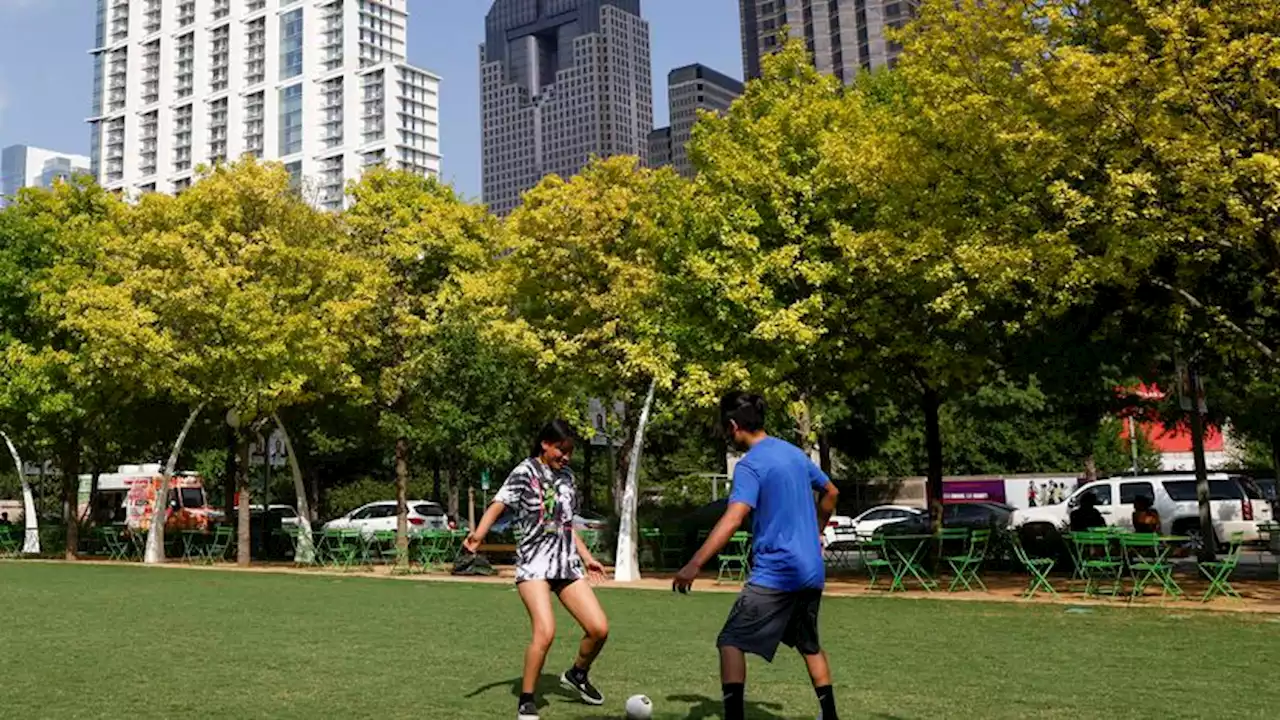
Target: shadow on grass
(547, 685)
(706, 707)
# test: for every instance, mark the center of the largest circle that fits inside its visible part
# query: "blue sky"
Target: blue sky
(46, 72)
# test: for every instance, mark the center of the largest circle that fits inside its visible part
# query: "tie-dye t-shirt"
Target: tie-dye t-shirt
(542, 503)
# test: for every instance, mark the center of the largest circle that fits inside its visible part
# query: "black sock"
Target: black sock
(577, 674)
(827, 701)
(735, 701)
(525, 697)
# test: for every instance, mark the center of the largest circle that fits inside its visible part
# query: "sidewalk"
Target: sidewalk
(1259, 595)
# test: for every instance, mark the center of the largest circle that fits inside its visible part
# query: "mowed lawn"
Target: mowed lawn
(93, 641)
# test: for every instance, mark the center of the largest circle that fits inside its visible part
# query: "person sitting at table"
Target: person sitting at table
(1086, 515)
(1145, 517)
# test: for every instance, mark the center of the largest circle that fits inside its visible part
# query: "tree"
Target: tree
(1148, 124)
(591, 274)
(424, 240)
(54, 390)
(235, 295)
(859, 247)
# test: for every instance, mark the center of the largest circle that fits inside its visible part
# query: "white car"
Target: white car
(1235, 505)
(368, 519)
(842, 528)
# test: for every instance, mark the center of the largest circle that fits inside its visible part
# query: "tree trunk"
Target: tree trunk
(229, 477)
(804, 426)
(160, 510)
(402, 503)
(1090, 468)
(618, 469)
(932, 406)
(1208, 547)
(244, 496)
(1275, 462)
(71, 494)
(435, 482)
(586, 500)
(452, 493)
(824, 453)
(31, 539)
(305, 552)
(627, 564)
(90, 519)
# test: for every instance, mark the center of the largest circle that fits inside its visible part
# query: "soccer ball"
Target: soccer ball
(639, 708)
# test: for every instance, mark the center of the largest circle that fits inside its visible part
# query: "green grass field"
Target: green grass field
(76, 645)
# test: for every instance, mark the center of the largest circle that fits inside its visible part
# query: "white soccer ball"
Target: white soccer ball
(639, 708)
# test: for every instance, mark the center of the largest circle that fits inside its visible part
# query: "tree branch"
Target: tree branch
(1218, 317)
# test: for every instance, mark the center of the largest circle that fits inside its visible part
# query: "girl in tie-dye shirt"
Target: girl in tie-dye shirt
(550, 560)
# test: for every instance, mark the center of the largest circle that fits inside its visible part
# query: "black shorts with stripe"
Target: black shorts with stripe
(762, 618)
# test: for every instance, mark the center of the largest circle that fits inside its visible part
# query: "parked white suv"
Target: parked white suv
(368, 519)
(1235, 504)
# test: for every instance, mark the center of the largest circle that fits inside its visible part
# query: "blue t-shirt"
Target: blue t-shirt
(777, 480)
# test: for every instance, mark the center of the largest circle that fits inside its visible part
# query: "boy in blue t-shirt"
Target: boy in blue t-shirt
(780, 602)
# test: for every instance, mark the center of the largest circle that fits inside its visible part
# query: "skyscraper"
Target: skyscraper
(24, 166)
(321, 86)
(561, 81)
(689, 89)
(843, 36)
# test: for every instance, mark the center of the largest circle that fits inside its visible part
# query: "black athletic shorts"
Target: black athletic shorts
(761, 618)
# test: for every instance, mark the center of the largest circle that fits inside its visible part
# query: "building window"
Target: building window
(185, 77)
(255, 52)
(295, 174)
(291, 44)
(291, 120)
(218, 131)
(253, 123)
(182, 139)
(220, 59)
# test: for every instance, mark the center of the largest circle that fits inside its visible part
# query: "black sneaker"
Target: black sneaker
(577, 681)
(527, 710)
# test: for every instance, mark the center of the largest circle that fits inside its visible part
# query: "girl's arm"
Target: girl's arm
(487, 520)
(583, 551)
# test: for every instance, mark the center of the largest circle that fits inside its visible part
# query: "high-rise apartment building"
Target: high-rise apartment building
(689, 89)
(843, 36)
(561, 81)
(319, 85)
(24, 166)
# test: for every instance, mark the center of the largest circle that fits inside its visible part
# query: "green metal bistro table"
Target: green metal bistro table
(904, 556)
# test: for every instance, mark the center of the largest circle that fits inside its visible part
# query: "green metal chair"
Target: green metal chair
(215, 550)
(1146, 554)
(878, 564)
(10, 545)
(590, 538)
(433, 549)
(381, 548)
(118, 546)
(735, 558)
(671, 549)
(1102, 567)
(1038, 567)
(650, 549)
(1219, 572)
(965, 566)
(297, 537)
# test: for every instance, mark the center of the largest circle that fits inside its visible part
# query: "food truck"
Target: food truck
(126, 497)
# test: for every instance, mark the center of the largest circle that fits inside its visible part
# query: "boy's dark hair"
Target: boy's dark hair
(556, 432)
(745, 410)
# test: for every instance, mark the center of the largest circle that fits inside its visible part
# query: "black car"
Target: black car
(969, 515)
